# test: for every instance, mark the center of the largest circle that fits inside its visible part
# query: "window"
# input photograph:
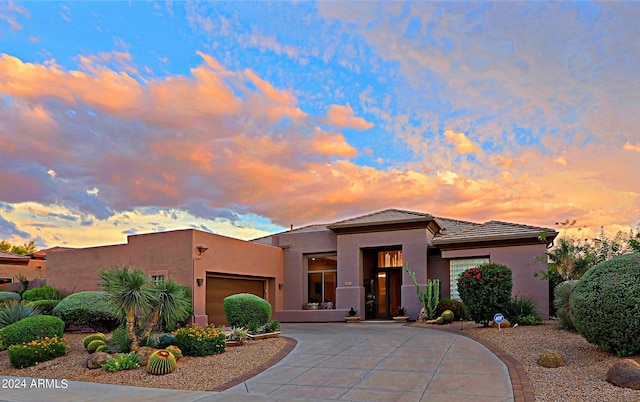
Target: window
(157, 279)
(322, 278)
(5, 279)
(456, 267)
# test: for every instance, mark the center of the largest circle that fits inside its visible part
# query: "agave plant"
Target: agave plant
(13, 311)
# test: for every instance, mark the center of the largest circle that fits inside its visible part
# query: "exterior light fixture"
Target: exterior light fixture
(202, 249)
(280, 286)
(200, 281)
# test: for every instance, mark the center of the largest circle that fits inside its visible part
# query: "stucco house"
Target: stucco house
(318, 272)
(13, 266)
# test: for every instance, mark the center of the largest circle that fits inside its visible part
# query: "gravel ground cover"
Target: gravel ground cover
(586, 365)
(192, 374)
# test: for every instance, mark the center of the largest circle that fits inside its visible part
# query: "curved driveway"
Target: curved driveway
(368, 361)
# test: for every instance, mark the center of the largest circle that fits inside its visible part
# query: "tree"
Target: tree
(143, 305)
(27, 248)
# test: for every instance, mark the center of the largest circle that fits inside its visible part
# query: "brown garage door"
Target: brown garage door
(219, 287)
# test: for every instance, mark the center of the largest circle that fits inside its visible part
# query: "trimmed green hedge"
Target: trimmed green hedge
(45, 306)
(88, 309)
(32, 328)
(606, 305)
(44, 292)
(243, 309)
(7, 296)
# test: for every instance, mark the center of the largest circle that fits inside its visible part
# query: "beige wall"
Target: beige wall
(35, 269)
(175, 255)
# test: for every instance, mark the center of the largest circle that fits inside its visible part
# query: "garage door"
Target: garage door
(219, 287)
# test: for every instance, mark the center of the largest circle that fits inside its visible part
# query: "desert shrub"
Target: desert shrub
(39, 350)
(243, 308)
(121, 361)
(88, 309)
(520, 307)
(200, 341)
(8, 296)
(165, 340)
(45, 306)
(32, 328)
(485, 290)
(272, 326)
(561, 296)
(44, 292)
(606, 305)
(14, 311)
(182, 317)
(458, 308)
(119, 341)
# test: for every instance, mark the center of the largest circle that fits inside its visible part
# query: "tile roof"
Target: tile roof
(493, 230)
(42, 254)
(450, 226)
(383, 217)
(5, 255)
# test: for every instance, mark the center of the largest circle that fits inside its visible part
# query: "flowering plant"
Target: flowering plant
(485, 290)
(195, 340)
(30, 353)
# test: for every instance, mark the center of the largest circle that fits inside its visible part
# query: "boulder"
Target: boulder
(143, 354)
(96, 360)
(625, 373)
(551, 359)
(504, 324)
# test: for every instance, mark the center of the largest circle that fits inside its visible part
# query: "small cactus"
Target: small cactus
(161, 362)
(97, 336)
(101, 348)
(440, 321)
(93, 345)
(175, 351)
(447, 315)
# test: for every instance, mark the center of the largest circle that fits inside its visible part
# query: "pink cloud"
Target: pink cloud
(343, 116)
(461, 142)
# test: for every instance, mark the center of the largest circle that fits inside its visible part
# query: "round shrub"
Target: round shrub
(606, 305)
(88, 309)
(44, 292)
(31, 353)
(45, 306)
(485, 290)
(32, 328)
(195, 340)
(8, 296)
(165, 340)
(243, 309)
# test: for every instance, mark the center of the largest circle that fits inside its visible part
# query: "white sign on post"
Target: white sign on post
(498, 319)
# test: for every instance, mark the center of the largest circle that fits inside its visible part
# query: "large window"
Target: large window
(456, 267)
(322, 278)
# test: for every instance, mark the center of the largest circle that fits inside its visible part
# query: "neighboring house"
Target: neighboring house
(13, 266)
(318, 272)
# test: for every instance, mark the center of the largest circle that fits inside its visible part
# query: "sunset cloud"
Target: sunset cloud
(628, 146)
(461, 142)
(343, 116)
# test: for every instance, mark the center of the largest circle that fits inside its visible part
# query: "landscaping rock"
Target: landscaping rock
(625, 373)
(143, 354)
(551, 359)
(96, 360)
(504, 324)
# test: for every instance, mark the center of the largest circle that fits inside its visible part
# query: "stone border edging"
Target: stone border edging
(291, 343)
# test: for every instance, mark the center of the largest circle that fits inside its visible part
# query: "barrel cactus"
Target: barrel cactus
(94, 345)
(175, 351)
(440, 321)
(447, 316)
(89, 338)
(101, 348)
(161, 362)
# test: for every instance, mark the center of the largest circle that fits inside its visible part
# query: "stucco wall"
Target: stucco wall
(524, 264)
(34, 269)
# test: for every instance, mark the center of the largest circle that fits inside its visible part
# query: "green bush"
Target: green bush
(606, 305)
(165, 340)
(200, 341)
(88, 309)
(14, 311)
(45, 306)
(242, 309)
(561, 296)
(121, 361)
(8, 296)
(458, 308)
(531, 320)
(520, 307)
(272, 326)
(485, 290)
(29, 353)
(32, 328)
(44, 292)
(119, 342)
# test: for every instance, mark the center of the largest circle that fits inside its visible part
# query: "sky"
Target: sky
(243, 118)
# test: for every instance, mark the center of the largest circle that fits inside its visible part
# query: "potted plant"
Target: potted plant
(237, 336)
(353, 315)
(401, 315)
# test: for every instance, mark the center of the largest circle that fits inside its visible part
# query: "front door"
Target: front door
(389, 287)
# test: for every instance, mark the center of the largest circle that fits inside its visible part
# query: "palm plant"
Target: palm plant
(142, 305)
